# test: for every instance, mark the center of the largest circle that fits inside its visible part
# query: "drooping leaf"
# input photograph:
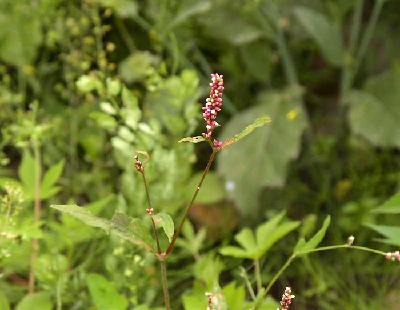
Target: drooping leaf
(35, 301)
(375, 111)
(324, 32)
(391, 206)
(165, 221)
(304, 246)
(261, 159)
(104, 293)
(122, 230)
(196, 139)
(188, 9)
(259, 122)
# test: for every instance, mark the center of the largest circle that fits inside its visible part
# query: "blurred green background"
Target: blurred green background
(86, 84)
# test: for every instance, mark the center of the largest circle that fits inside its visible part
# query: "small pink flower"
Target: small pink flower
(217, 143)
(286, 298)
(213, 104)
(393, 256)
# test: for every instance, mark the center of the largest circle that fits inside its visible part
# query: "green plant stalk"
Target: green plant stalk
(178, 231)
(248, 284)
(354, 37)
(151, 217)
(321, 249)
(165, 284)
(288, 65)
(257, 274)
(37, 215)
(350, 71)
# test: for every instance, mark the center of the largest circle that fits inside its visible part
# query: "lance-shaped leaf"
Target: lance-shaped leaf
(261, 121)
(196, 139)
(122, 226)
(305, 246)
(165, 221)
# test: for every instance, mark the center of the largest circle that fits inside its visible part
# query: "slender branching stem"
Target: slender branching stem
(37, 214)
(257, 274)
(146, 186)
(243, 274)
(185, 214)
(165, 284)
(321, 249)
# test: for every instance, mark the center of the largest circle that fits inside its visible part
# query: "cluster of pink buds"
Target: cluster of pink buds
(286, 298)
(213, 106)
(393, 256)
(138, 164)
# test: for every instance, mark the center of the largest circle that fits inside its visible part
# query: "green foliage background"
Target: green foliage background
(86, 84)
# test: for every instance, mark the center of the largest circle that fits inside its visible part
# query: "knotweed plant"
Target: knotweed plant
(254, 245)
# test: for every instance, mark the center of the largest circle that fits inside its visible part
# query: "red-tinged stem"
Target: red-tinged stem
(178, 231)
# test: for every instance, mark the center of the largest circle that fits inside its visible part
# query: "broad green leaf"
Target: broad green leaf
(20, 32)
(50, 178)
(165, 221)
(120, 229)
(261, 159)
(324, 32)
(104, 293)
(4, 304)
(392, 233)
(391, 206)
(196, 139)
(265, 229)
(375, 111)
(194, 301)
(36, 301)
(261, 121)
(304, 246)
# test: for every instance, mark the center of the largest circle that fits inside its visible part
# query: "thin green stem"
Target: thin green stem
(146, 186)
(346, 79)
(165, 284)
(288, 65)
(257, 274)
(37, 213)
(178, 231)
(321, 249)
(278, 274)
(243, 274)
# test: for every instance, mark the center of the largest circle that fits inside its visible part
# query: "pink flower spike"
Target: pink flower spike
(213, 104)
(286, 299)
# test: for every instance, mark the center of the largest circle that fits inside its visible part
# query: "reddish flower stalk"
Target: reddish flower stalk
(286, 298)
(213, 106)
